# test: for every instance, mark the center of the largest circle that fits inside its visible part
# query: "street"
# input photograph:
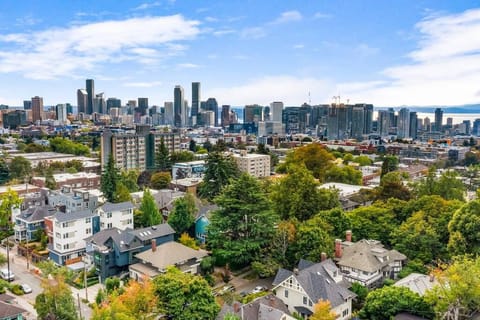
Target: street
(18, 265)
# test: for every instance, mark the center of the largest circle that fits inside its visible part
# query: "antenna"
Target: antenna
(309, 99)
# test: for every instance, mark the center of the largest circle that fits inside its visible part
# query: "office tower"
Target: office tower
(468, 126)
(367, 116)
(82, 98)
(14, 119)
(27, 104)
(252, 113)
(266, 113)
(37, 108)
(413, 130)
(195, 99)
(207, 118)
(142, 106)
(268, 128)
(169, 113)
(358, 122)
(449, 122)
(178, 105)
(212, 105)
(185, 114)
(438, 119)
(403, 128)
(61, 113)
(276, 109)
(290, 117)
(427, 125)
(113, 103)
(90, 96)
(99, 105)
(69, 108)
(225, 115)
(476, 127)
(383, 123)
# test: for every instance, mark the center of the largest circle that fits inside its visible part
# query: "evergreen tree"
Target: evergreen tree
(109, 180)
(149, 214)
(182, 216)
(220, 169)
(162, 157)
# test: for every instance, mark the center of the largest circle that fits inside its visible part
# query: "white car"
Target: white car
(26, 288)
(5, 274)
(258, 289)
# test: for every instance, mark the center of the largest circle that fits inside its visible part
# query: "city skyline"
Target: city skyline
(419, 53)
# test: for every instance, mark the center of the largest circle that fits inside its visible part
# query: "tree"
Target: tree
(219, 170)
(390, 164)
(3, 259)
(122, 194)
(56, 300)
(448, 186)
(129, 179)
(183, 296)
(182, 156)
(192, 146)
(109, 179)
(284, 237)
(363, 160)
(313, 238)
(149, 214)
(344, 174)
(391, 186)
(160, 180)
(162, 157)
(4, 172)
(458, 291)
(9, 200)
(19, 168)
(463, 229)
(361, 292)
(183, 213)
(188, 241)
(297, 195)
(323, 311)
(386, 302)
(315, 158)
(244, 224)
(50, 182)
(63, 145)
(336, 218)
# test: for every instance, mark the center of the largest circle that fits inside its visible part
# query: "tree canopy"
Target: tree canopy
(148, 211)
(219, 170)
(464, 229)
(19, 168)
(109, 180)
(315, 158)
(183, 213)
(56, 300)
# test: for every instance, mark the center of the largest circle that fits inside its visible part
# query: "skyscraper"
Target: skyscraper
(225, 115)
(113, 103)
(61, 113)
(276, 109)
(99, 104)
(82, 98)
(37, 108)
(90, 96)
(178, 105)
(383, 123)
(195, 98)
(252, 113)
(212, 105)
(438, 119)
(142, 106)
(413, 125)
(169, 113)
(403, 130)
(358, 122)
(27, 104)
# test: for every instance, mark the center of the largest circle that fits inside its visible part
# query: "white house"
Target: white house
(116, 215)
(301, 289)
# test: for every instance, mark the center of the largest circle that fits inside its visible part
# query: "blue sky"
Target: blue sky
(389, 53)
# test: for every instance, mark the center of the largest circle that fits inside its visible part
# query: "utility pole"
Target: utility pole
(85, 278)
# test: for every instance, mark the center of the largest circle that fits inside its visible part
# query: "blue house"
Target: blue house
(202, 221)
(30, 220)
(113, 250)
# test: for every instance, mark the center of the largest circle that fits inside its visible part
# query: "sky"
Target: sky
(389, 53)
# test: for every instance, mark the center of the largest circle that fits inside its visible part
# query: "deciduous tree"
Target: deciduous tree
(313, 238)
(56, 300)
(19, 168)
(149, 214)
(160, 180)
(323, 311)
(464, 229)
(183, 213)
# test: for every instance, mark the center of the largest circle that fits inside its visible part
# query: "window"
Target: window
(310, 303)
(305, 300)
(286, 293)
(109, 214)
(109, 225)
(88, 220)
(88, 230)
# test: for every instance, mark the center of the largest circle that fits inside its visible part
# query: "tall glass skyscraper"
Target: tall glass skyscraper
(195, 98)
(178, 105)
(90, 96)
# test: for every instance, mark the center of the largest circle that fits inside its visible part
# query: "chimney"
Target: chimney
(236, 307)
(338, 248)
(323, 256)
(154, 245)
(295, 271)
(348, 235)
(432, 277)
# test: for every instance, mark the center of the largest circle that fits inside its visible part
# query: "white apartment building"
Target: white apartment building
(257, 165)
(116, 215)
(73, 199)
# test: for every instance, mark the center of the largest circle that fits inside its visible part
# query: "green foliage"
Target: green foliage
(162, 157)
(337, 219)
(122, 194)
(183, 296)
(315, 158)
(464, 229)
(447, 186)
(160, 180)
(231, 316)
(312, 238)
(109, 180)
(112, 284)
(219, 170)
(344, 174)
(411, 267)
(391, 186)
(243, 225)
(390, 164)
(388, 301)
(16, 289)
(63, 145)
(188, 241)
(207, 265)
(182, 156)
(129, 179)
(56, 301)
(361, 292)
(149, 214)
(363, 160)
(183, 213)
(9, 200)
(458, 289)
(19, 168)
(50, 182)
(4, 172)
(266, 267)
(3, 259)
(297, 195)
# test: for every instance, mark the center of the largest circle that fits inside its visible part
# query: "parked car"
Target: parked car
(26, 288)
(5, 274)
(224, 290)
(258, 289)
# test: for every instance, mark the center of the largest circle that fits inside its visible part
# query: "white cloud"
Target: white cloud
(289, 89)
(223, 32)
(188, 65)
(143, 84)
(63, 51)
(299, 46)
(253, 33)
(444, 69)
(288, 16)
(148, 5)
(211, 19)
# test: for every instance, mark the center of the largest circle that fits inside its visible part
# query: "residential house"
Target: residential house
(9, 310)
(417, 282)
(202, 221)
(68, 231)
(367, 261)
(155, 260)
(69, 199)
(116, 215)
(113, 250)
(267, 307)
(303, 287)
(30, 220)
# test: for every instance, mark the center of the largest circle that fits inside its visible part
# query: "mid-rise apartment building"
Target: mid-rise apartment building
(257, 165)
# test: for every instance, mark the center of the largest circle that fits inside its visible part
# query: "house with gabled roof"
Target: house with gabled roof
(30, 220)
(303, 287)
(367, 261)
(9, 310)
(268, 307)
(116, 215)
